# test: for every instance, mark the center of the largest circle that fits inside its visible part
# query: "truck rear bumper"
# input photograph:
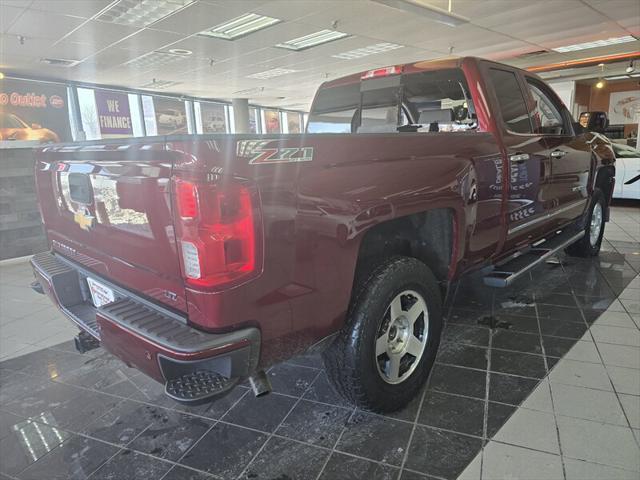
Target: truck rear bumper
(194, 365)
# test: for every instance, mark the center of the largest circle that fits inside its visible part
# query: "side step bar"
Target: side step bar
(505, 274)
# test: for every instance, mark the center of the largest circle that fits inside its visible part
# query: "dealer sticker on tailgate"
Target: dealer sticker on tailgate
(100, 294)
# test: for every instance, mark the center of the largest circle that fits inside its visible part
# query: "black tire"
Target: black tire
(350, 361)
(585, 247)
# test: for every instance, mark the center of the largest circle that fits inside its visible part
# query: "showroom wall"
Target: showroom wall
(599, 99)
(21, 231)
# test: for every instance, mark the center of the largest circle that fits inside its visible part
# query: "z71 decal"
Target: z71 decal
(259, 152)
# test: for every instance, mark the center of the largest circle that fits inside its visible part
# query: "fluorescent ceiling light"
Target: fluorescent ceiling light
(60, 62)
(159, 84)
(274, 72)
(240, 26)
(249, 91)
(617, 77)
(154, 60)
(635, 75)
(365, 51)
(312, 40)
(141, 12)
(597, 43)
(419, 7)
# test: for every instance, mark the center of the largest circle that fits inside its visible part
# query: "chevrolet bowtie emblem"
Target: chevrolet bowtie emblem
(85, 221)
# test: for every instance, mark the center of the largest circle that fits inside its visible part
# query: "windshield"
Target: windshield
(437, 101)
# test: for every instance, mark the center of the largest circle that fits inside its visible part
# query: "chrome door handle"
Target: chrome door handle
(558, 154)
(519, 157)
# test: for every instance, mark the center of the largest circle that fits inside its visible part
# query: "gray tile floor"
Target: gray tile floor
(538, 381)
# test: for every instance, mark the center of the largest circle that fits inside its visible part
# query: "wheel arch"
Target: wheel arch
(428, 236)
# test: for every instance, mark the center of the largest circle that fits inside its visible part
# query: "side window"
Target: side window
(511, 101)
(547, 118)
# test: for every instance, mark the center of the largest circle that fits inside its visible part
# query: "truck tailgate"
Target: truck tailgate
(108, 207)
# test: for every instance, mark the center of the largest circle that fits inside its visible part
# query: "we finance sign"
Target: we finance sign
(114, 114)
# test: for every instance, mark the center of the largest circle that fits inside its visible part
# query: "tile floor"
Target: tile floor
(538, 381)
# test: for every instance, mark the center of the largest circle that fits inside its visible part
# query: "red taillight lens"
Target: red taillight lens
(382, 72)
(219, 232)
(186, 198)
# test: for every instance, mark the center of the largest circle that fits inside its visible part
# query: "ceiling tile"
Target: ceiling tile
(100, 34)
(9, 16)
(44, 25)
(75, 8)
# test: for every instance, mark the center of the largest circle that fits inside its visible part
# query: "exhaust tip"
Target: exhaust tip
(260, 383)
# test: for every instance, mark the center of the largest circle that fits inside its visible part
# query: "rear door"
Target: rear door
(565, 195)
(108, 206)
(527, 159)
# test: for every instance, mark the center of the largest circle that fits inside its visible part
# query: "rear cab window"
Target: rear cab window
(511, 101)
(433, 101)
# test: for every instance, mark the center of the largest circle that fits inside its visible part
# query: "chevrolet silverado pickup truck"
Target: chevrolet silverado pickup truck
(201, 260)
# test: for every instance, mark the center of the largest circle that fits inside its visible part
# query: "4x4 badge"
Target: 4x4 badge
(84, 219)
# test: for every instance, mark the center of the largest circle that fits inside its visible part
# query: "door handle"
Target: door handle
(519, 158)
(558, 154)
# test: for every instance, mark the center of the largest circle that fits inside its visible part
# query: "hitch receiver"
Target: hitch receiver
(85, 342)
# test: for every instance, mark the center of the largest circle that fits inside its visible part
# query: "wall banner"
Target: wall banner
(114, 113)
(33, 111)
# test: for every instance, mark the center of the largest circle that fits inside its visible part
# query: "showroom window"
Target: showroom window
(512, 105)
(546, 116)
(88, 114)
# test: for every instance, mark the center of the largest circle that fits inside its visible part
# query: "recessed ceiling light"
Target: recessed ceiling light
(141, 12)
(595, 44)
(180, 51)
(240, 26)
(312, 40)
(446, 17)
(154, 59)
(159, 84)
(365, 51)
(274, 72)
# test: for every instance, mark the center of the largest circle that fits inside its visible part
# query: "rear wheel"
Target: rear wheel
(388, 346)
(589, 245)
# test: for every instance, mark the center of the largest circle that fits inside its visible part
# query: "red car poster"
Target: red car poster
(33, 111)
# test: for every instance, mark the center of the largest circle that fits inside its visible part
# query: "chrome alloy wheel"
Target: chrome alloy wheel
(596, 224)
(402, 337)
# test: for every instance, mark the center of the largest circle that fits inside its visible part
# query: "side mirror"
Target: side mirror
(36, 126)
(594, 121)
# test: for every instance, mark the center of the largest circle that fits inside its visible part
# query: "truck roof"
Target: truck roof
(437, 64)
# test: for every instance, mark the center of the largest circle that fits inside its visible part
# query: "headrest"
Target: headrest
(440, 116)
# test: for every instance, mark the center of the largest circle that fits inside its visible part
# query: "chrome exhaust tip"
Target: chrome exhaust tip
(260, 383)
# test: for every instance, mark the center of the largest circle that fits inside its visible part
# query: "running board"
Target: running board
(505, 274)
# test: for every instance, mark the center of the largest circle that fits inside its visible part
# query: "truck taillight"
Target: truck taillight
(219, 232)
(382, 72)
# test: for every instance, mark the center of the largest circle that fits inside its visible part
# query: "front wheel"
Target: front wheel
(589, 244)
(388, 345)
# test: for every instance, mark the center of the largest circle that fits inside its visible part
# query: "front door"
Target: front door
(565, 195)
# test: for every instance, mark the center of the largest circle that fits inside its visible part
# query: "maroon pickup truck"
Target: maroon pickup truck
(201, 260)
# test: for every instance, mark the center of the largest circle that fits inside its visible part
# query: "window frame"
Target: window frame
(525, 97)
(567, 120)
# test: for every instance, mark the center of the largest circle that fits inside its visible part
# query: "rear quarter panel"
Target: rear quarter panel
(316, 211)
